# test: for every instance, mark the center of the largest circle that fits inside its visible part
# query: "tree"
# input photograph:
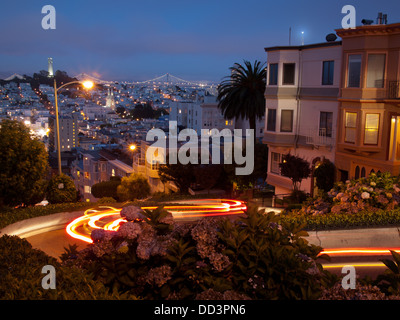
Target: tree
(260, 168)
(106, 188)
(182, 175)
(325, 175)
(61, 189)
(133, 187)
(296, 169)
(207, 175)
(23, 164)
(241, 95)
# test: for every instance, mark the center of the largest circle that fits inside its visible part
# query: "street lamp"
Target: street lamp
(132, 147)
(87, 85)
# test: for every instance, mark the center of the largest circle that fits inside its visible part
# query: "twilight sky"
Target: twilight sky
(140, 40)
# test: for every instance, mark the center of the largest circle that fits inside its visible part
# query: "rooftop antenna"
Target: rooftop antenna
(290, 36)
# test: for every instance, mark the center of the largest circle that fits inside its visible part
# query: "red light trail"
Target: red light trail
(110, 219)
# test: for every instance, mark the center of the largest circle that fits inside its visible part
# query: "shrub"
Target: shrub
(378, 191)
(133, 187)
(21, 277)
(61, 189)
(253, 257)
(106, 189)
(325, 175)
(107, 200)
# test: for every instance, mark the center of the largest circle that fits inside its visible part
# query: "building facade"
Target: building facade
(301, 107)
(369, 100)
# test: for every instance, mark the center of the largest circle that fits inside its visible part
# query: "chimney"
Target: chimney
(379, 19)
(384, 19)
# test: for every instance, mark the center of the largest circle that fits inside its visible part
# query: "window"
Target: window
(357, 173)
(325, 124)
(286, 120)
(327, 72)
(88, 189)
(288, 73)
(371, 128)
(376, 70)
(273, 74)
(354, 71)
(350, 127)
(275, 161)
(271, 120)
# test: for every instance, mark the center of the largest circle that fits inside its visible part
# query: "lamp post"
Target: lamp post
(132, 147)
(87, 85)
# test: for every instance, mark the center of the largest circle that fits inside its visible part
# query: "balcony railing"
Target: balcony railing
(394, 90)
(320, 137)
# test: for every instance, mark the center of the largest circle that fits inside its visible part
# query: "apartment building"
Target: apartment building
(301, 107)
(369, 100)
(91, 167)
(205, 114)
(68, 133)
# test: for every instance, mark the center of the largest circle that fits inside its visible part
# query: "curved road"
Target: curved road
(77, 232)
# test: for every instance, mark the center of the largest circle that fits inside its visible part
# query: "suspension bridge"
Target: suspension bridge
(165, 79)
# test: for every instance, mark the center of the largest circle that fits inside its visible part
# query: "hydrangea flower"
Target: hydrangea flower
(132, 213)
(365, 195)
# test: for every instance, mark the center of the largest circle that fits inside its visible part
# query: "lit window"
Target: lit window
(371, 128)
(350, 127)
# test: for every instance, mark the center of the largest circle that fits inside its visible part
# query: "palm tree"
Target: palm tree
(241, 95)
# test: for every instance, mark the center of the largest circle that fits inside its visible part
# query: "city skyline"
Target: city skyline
(135, 41)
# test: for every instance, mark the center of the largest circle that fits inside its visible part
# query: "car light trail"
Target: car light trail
(359, 265)
(110, 218)
(359, 251)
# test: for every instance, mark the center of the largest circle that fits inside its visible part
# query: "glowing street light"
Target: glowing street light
(86, 84)
(132, 147)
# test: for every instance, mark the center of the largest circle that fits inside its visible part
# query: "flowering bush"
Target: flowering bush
(253, 257)
(378, 191)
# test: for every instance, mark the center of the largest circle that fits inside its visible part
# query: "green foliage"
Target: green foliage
(271, 261)
(133, 187)
(331, 221)
(389, 282)
(106, 189)
(61, 189)
(295, 168)
(14, 215)
(244, 182)
(182, 175)
(325, 175)
(20, 273)
(107, 200)
(253, 257)
(23, 165)
(241, 93)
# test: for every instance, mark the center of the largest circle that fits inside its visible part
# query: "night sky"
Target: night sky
(139, 40)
